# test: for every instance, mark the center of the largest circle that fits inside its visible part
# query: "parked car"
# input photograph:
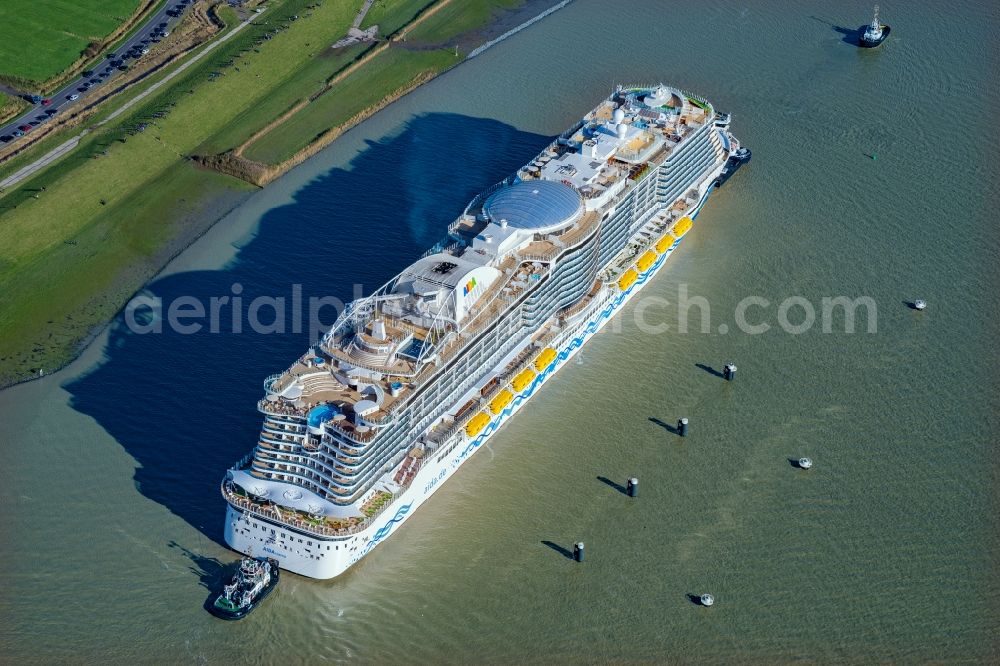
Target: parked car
(35, 99)
(46, 101)
(24, 128)
(87, 72)
(74, 96)
(18, 132)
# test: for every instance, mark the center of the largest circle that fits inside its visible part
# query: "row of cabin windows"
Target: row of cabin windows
(291, 539)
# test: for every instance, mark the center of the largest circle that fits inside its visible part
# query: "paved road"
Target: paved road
(104, 71)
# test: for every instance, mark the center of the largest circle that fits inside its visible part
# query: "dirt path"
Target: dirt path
(361, 14)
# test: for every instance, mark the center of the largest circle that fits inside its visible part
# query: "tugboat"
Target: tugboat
(254, 580)
(735, 161)
(874, 33)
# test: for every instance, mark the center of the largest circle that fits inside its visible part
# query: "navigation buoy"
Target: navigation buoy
(729, 372)
(805, 463)
(682, 427)
(706, 599)
(632, 487)
(919, 304)
(578, 552)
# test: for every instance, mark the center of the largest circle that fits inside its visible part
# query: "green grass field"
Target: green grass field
(387, 72)
(38, 40)
(307, 80)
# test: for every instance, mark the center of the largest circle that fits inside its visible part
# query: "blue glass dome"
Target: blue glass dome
(541, 206)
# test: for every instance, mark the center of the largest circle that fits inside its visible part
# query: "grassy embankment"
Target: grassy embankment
(394, 69)
(350, 97)
(10, 106)
(39, 41)
(80, 237)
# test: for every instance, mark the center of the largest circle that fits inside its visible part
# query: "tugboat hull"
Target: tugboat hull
(872, 43)
(224, 613)
(732, 165)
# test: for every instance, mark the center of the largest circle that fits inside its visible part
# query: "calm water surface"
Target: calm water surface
(887, 550)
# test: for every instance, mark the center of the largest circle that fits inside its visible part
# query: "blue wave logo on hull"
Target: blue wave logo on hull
(384, 531)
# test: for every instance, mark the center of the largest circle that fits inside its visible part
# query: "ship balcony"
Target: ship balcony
(361, 434)
(308, 478)
(273, 448)
(280, 408)
(302, 460)
(281, 427)
(349, 451)
(281, 436)
(346, 448)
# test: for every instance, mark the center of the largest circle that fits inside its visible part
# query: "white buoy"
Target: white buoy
(805, 463)
(707, 600)
(919, 304)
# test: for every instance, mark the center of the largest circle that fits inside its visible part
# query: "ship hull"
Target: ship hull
(319, 557)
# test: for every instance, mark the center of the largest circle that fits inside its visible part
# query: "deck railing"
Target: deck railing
(481, 197)
(291, 518)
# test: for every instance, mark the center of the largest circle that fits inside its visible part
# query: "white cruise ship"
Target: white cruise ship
(413, 379)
